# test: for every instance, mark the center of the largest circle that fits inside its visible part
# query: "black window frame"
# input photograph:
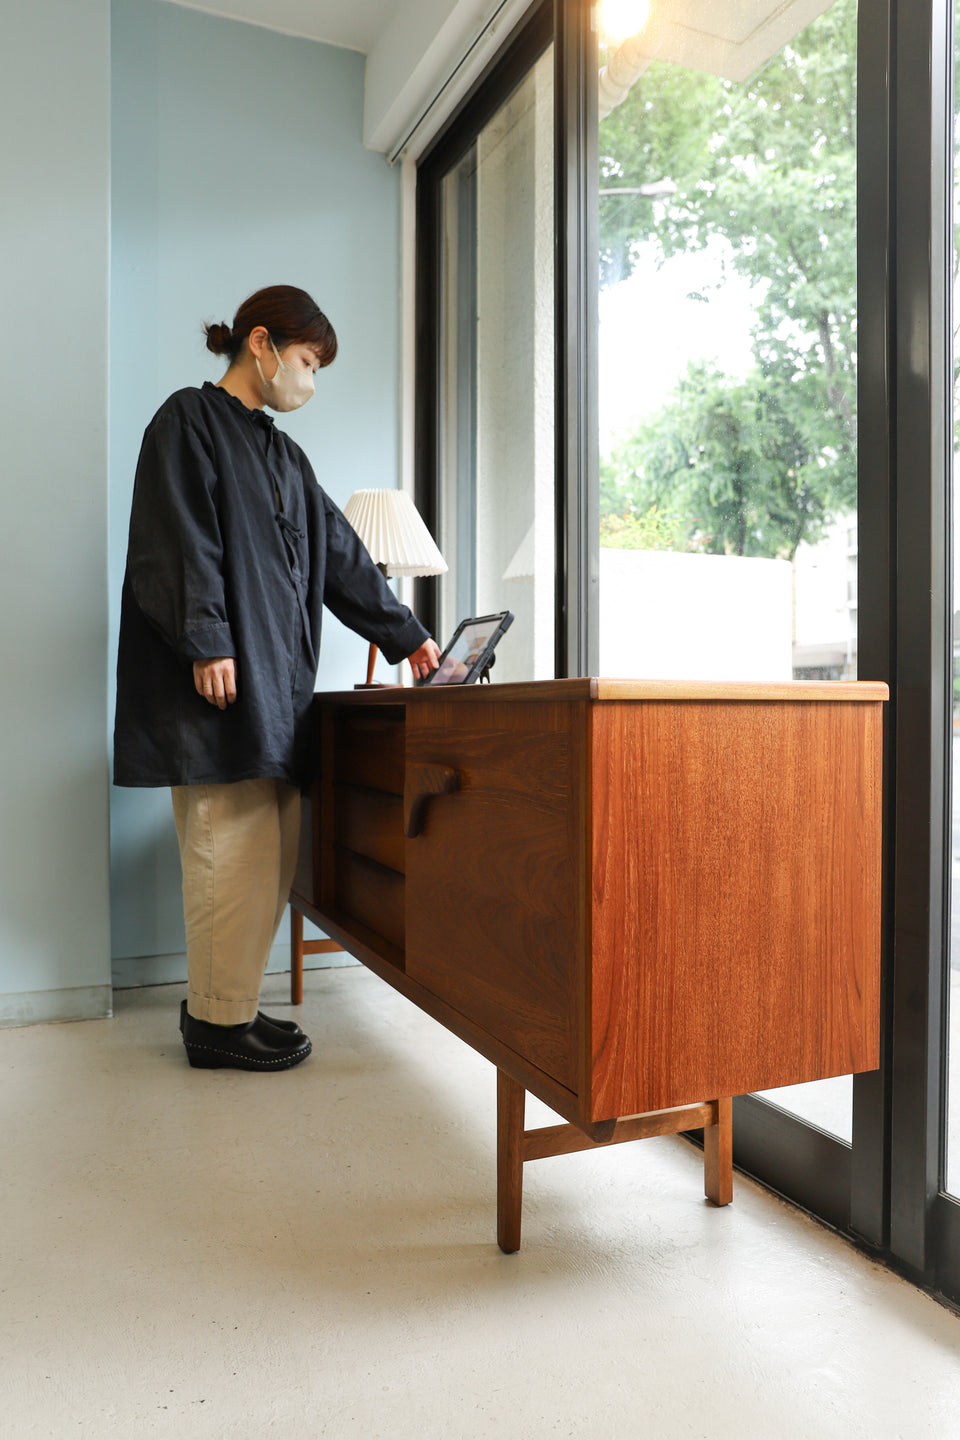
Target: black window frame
(924, 1229)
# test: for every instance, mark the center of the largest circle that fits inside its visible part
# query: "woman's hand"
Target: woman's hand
(216, 680)
(425, 659)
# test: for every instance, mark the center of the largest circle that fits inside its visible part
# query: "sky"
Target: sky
(651, 328)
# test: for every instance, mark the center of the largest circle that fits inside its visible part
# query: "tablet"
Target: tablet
(471, 650)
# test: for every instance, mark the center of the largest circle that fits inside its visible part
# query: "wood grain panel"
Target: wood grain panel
(493, 910)
(371, 894)
(386, 961)
(370, 823)
(369, 748)
(736, 875)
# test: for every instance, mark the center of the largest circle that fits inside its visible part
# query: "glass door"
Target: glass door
(494, 229)
(728, 355)
(765, 356)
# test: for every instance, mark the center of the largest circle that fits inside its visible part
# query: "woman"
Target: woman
(234, 549)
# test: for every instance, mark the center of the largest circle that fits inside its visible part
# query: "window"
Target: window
(740, 391)
(728, 360)
(494, 424)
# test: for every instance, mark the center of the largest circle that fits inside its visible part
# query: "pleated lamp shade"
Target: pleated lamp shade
(390, 526)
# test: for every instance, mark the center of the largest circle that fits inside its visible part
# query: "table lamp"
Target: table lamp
(390, 526)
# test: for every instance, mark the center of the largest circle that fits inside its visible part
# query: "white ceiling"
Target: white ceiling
(354, 24)
(413, 47)
(732, 38)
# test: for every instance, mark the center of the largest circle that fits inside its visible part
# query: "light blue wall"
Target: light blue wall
(54, 256)
(238, 163)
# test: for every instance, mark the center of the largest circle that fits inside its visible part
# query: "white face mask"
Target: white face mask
(289, 388)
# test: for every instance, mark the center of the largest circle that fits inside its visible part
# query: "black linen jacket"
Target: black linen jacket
(234, 549)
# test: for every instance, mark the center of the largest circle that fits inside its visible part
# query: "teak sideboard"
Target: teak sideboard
(637, 899)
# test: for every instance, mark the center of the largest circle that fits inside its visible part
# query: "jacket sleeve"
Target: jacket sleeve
(175, 553)
(356, 592)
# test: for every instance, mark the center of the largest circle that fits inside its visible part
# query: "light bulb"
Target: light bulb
(622, 18)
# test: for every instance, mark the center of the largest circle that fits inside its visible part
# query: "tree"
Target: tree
(725, 468)
(771, 167)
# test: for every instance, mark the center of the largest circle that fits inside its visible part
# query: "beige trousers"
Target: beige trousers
(238, 851)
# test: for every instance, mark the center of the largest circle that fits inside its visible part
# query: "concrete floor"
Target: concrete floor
(201, 1254)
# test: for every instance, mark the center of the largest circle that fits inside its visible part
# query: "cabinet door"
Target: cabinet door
(736, 898)
(494, 903)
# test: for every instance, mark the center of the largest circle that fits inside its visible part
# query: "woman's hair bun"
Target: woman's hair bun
(219, 339)
(289, 316)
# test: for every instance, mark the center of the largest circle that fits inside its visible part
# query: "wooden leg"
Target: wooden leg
(718, 1155)
(296, 957)
(510, 1109)
(515, 1146)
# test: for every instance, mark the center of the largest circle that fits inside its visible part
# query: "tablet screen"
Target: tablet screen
(470, 649)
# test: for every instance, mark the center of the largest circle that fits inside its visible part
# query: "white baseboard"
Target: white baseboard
(133, 970)
(46, 1007)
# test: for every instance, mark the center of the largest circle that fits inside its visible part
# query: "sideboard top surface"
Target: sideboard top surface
(603, 690)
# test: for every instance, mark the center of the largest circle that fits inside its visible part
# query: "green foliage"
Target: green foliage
(731, 466)
(756, 465)
(653, 530)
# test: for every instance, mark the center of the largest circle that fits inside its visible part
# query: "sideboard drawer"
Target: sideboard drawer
(369, 750)
(370, 823)
(371, 894)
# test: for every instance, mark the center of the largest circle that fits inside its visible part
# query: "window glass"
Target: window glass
(728, 353)
(497, 481)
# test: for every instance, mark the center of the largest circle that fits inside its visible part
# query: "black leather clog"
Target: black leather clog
(289, 1027)
(255, 1046)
